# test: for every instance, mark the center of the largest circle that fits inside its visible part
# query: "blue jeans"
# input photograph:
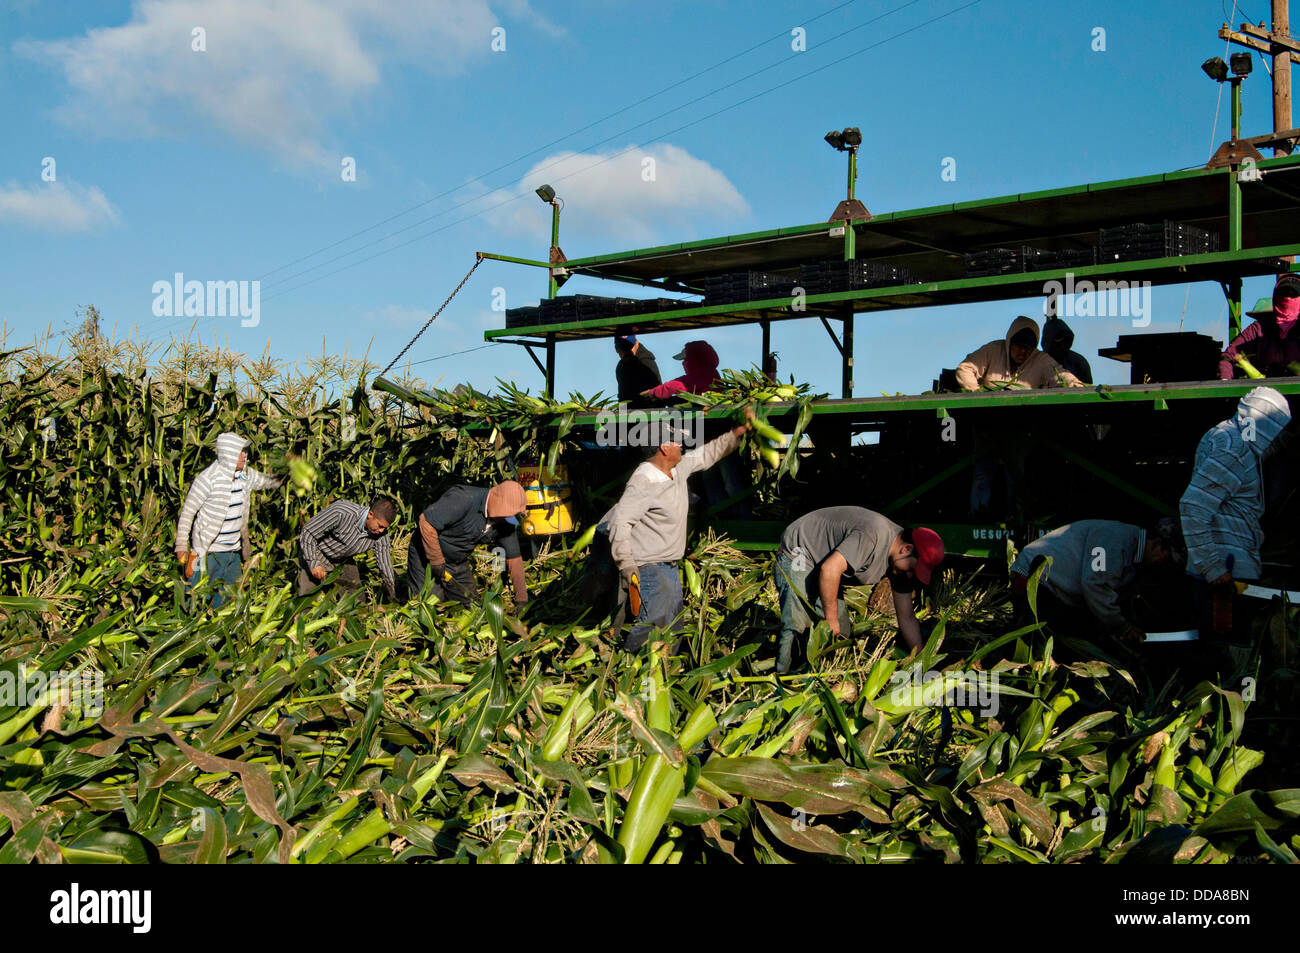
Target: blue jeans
(224, 570)
(661, 602)
(794, 586)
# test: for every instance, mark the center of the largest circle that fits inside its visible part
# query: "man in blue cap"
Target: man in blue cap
(636, 370)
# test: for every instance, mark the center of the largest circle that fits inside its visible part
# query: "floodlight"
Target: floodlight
(1242, 63)
(853, 136)
(836, 140)
(546, 194)
(1216, 69)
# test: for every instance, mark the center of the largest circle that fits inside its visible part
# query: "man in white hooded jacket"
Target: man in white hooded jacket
(214, 518)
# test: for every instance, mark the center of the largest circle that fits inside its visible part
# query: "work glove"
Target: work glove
(633, 592)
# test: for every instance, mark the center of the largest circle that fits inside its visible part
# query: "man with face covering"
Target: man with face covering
(700, 362)
(1015, 361)
(212, 531)
(1272, 343)
(449, 530)
(1224, 501)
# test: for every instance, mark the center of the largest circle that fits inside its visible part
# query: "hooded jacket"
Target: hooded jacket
(1057, 331)
(700, 362)
(992, 364)
(209, 498)
(1224, 501)
(1262, 345)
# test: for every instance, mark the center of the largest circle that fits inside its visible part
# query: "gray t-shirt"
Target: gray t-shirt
(862, 536)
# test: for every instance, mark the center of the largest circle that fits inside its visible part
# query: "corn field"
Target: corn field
(337, 729)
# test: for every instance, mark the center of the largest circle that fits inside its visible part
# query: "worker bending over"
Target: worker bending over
(828, 549)
(1094, 564)
(449, 530)
(339, 533)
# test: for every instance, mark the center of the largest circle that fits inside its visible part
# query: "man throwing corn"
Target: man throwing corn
(647, 528)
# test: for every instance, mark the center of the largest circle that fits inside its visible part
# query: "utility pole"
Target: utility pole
(1278, 44)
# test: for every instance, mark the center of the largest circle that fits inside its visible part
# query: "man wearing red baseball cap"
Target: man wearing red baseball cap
(830, 548)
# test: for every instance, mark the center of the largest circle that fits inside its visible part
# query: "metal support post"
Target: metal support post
(850, 236)
(550, 365)
(847, 351)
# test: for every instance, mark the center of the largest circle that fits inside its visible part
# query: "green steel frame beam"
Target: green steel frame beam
(870, 408)
(974, 206)
(1216, 266)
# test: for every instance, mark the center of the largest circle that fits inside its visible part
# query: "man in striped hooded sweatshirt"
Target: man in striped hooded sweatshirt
(214, 518)
(1224, 502)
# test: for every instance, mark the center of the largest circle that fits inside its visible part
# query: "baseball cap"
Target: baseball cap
(929, 552)
(628, 339)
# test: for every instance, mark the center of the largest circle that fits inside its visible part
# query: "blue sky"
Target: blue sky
(225, 163)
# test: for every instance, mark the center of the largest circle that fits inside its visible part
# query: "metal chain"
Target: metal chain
(478, 260)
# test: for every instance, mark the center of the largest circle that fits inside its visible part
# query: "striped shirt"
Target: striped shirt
(337, 533)
(1224, 501)
(228, 538)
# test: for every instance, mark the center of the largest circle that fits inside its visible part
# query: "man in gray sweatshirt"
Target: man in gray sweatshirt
(647, 529)
(1093, 564)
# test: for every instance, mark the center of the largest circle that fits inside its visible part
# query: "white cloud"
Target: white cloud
(607, 195)
(57, 207)
(270, 75)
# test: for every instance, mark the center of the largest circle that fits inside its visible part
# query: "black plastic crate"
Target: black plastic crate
(626, 306)
(1066, 258)
(523, 317)
(824, 277)
(1154, 240)
(995, 261)
(591, 307)
(563, 308)
(575, 308)
(746, 286)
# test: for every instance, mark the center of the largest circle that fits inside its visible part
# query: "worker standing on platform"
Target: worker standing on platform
(1058, 339)
(647, 529)
(1272, 343)
(1094, 563)
(1224, 502)
(636, 370)
(1013, 362)
(449, 530)
(700, 362)
(830, 548)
